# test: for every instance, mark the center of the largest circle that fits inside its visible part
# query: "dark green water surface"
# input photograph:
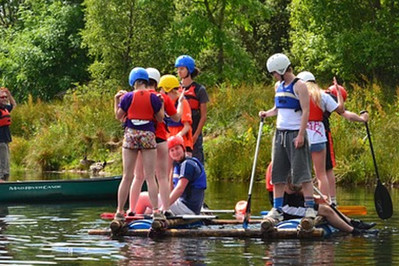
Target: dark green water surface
(57, 234)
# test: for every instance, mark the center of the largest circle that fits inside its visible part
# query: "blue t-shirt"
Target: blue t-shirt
(125, 104)
(194, 193)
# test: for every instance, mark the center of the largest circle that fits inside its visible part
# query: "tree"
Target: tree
(353, 39)
(42, 56)
(122, 34)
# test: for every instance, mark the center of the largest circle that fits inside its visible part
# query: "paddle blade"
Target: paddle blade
(352, 210)
(247, 213)
(383, 201)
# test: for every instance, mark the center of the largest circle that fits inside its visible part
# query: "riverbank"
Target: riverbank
(56, 136)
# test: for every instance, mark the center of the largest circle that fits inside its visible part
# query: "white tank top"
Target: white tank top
(288, 119)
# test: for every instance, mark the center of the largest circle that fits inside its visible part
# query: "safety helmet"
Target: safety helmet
(334, 91)
(168, 83)
(278, 63)
(137, 73)
(186, 61)
(154, 74)
(175, 140)
(306, 76)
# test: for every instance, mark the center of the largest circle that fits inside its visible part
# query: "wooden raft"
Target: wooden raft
(239, 233)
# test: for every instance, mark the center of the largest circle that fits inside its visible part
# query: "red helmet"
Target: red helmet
(175, 140)
(334, 92)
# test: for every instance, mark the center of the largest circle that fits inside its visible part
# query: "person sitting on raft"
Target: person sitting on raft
(189, 178)
(293, 208)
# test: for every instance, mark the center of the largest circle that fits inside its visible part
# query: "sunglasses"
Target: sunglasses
(3, 97)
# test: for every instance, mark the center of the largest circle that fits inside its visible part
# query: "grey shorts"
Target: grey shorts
(289, 161)
(179, 208)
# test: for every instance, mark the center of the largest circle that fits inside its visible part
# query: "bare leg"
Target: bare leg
(143, 203)
(334, 219)
(162, 173)
(331, 182)
(149, 157)
(137, 184)
(319, 162)
(129, 160)
(307, 188)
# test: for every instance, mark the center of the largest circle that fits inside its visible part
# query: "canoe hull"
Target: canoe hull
(59, 190)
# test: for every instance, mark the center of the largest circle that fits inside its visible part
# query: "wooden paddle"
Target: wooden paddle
(382, 199)
(248, 208)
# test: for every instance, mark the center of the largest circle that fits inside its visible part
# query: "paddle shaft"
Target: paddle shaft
(248, 208)
(333, 207)
(382, 199)
(372, 150)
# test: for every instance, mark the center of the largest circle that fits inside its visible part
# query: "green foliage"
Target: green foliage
(41, 56)
(232, 128)
(123, 34)
(346, 38)
(62, 133)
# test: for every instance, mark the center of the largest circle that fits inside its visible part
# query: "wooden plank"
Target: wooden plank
(238, 233)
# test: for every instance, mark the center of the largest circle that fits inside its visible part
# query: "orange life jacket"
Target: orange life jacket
(191, 96)
(5, 117)
(315, 112)
(141, 108)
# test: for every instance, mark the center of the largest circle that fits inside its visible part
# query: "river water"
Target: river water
(58, 234)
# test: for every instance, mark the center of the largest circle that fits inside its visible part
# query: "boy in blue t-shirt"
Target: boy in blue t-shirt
(189, 178)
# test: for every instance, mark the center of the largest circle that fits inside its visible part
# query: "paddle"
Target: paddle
(347, 210)
(332, 207)
(248, 208)
(382, 199)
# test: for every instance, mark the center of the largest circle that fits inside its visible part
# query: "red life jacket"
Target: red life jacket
(191, 96)
(141, 108)
(315, 112)
(5, 118)
(268, 177)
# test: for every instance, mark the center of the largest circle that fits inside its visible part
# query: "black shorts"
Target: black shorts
(330, 156)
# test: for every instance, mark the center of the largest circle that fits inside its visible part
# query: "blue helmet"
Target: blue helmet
(137, 73)
(185, 61)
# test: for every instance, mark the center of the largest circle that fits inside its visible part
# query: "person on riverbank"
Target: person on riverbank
(174, 113)
(320, 102)
(7, 104)
(189, 178)
(140, 107)
(169, 84)
(197, 97)
(335, 90)
(291, 154)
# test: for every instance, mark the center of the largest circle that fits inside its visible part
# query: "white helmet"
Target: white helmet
(278, 63)
(306, 76)
(154, 74)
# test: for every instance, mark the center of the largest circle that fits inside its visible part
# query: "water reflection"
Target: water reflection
(57, 233)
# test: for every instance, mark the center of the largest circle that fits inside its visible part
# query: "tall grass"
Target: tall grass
(57, 135)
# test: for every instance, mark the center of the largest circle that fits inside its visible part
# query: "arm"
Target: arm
(203, 111)
(176, 117)
(159, 116)
(350, 116)
(268, 113)
(11, 99)
(185, 129)
(303, 94)
(117, 99)
(341, 108)
(178, 190)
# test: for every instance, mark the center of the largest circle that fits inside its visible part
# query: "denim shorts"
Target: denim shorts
(317, 147)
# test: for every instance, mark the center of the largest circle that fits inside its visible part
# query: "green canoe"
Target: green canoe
(60, 190)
